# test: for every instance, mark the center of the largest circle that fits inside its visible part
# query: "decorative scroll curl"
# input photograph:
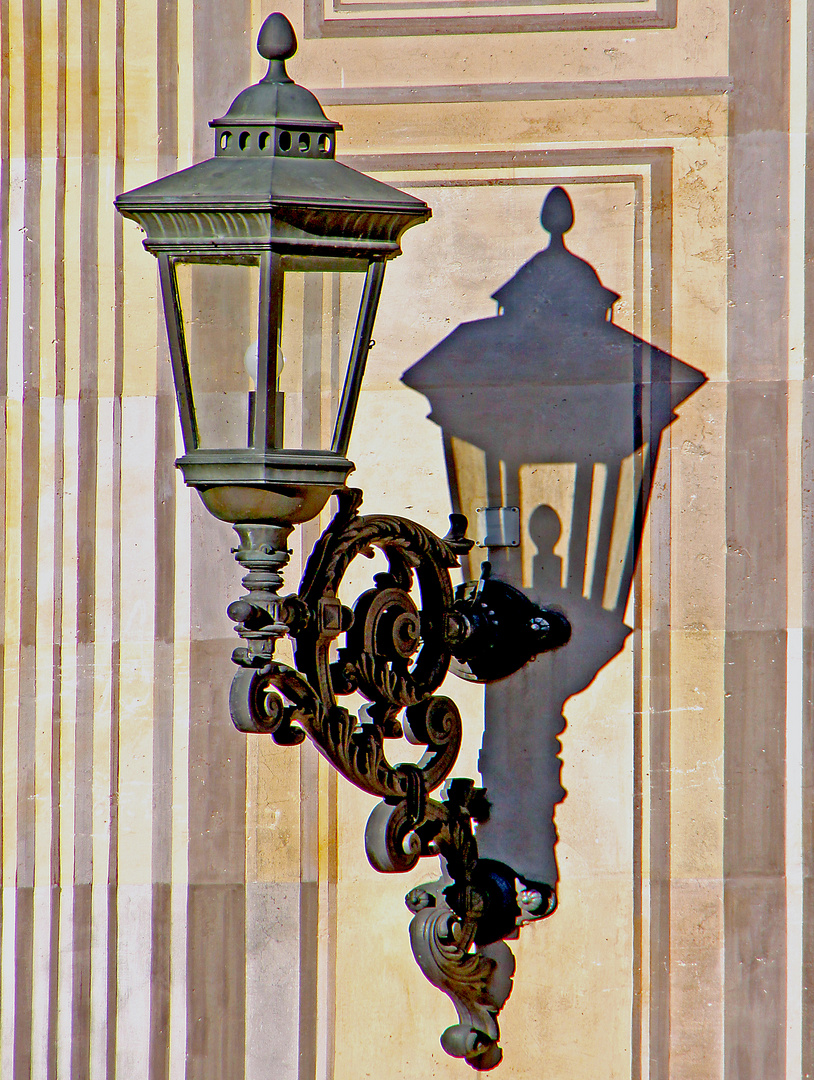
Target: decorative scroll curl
(478, 982)
(394, 655)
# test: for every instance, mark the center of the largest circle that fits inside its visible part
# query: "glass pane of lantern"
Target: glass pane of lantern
(319, 318)
(219, 305)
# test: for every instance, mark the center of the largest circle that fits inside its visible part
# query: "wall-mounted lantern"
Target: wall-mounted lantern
(273, 205)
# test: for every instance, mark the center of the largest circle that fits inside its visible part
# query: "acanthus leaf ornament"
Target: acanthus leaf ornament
(478, 982)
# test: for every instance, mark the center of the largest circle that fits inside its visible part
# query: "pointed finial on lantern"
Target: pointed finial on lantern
(557, 215)
(276, 43)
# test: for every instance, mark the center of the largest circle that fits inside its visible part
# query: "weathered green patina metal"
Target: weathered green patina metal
(273, 196)
(274, 184)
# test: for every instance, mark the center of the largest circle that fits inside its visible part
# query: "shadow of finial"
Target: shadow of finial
(557, 215)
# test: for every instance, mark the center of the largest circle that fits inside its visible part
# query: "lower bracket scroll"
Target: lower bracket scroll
(478, 982)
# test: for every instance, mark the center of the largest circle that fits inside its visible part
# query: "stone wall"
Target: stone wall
(183, 901)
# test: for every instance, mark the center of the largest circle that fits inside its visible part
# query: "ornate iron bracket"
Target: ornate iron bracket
(396, 654)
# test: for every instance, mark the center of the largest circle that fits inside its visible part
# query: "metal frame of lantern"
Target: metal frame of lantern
(274, 195)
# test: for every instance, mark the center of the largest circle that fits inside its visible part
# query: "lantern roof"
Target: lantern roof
(274, 181)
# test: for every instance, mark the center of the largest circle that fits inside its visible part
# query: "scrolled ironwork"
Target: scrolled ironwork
(396, 652)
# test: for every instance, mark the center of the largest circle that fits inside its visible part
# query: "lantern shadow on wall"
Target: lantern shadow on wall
(551, 407)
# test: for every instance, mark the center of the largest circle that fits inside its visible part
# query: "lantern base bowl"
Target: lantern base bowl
(257, 505)
(275, 487)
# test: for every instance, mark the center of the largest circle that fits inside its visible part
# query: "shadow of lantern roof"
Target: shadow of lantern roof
(551, 378)
(556, 283)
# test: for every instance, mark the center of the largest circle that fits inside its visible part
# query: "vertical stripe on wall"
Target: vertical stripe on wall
(807, 496)
(26, 710)
(51, 1029)
(312, 375)
(137, 567)
(164, 657)
(755, 681)
(216, 934)
(111, 1010)
(797, 548)
(6, 262)
(5, 194)
(86, 542)
(5, 232)
(660, 671)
